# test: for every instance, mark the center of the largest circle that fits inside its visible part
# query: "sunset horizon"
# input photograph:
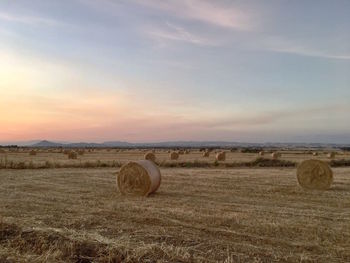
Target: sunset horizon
(170, 71)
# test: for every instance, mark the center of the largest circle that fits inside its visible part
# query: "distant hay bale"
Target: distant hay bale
(262, 153)
(206, 154)
(221, 156)
(315, 153)
(72, 155)
(331, 155)
(314, 174)
(32, 152)
(174, 156)
(139, 178)
(150, 156)
(187, 151)
(275, 155)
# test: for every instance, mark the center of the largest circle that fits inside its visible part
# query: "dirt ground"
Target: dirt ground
(197, 215)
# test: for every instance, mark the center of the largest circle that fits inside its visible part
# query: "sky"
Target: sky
(166, 70)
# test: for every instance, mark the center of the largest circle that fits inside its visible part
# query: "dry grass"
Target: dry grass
(123, 156)
(197, 215)
(73, 155)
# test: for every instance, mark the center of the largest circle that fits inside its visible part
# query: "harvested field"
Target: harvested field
(197, 215)
(115, 158)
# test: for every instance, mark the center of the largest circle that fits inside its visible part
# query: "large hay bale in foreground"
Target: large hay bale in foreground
(221, 156)
(174, 156)
(72, 155)
(32, 152)
(314, 174)
(139, 178)
(150, 156)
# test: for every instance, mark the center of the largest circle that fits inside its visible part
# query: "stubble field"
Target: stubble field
(197, 215)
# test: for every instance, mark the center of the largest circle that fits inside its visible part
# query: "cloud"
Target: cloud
(270, 119)
(32, 20)
(283, 45)
(209, 12)
(179, 34)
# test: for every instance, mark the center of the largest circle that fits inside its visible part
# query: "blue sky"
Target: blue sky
(175, 70)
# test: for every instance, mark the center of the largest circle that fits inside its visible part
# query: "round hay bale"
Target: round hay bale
(262, 153)
(206, 154)
(315, 153)
(275, 155)
(221, 156)
(187, 151)
(150, 156)
(32, 152)
(139, 178)
(314, 174)
(331, 155)
(72, 155)
(174, 156)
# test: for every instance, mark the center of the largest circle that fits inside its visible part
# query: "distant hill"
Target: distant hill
(179, 144)
(172, 144)
(47, 144)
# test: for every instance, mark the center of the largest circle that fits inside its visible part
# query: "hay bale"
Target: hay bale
(314, 174)
(206, 154)
(315, 153)
(187, 151)
(275, 155)
(221, 156)
(72, 155)
(262, 153)
(32, 152)
(331, 155)
(150, 156)
(139, 178)
(174, 156)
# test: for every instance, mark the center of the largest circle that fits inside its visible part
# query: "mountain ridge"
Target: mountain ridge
(169, 144)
